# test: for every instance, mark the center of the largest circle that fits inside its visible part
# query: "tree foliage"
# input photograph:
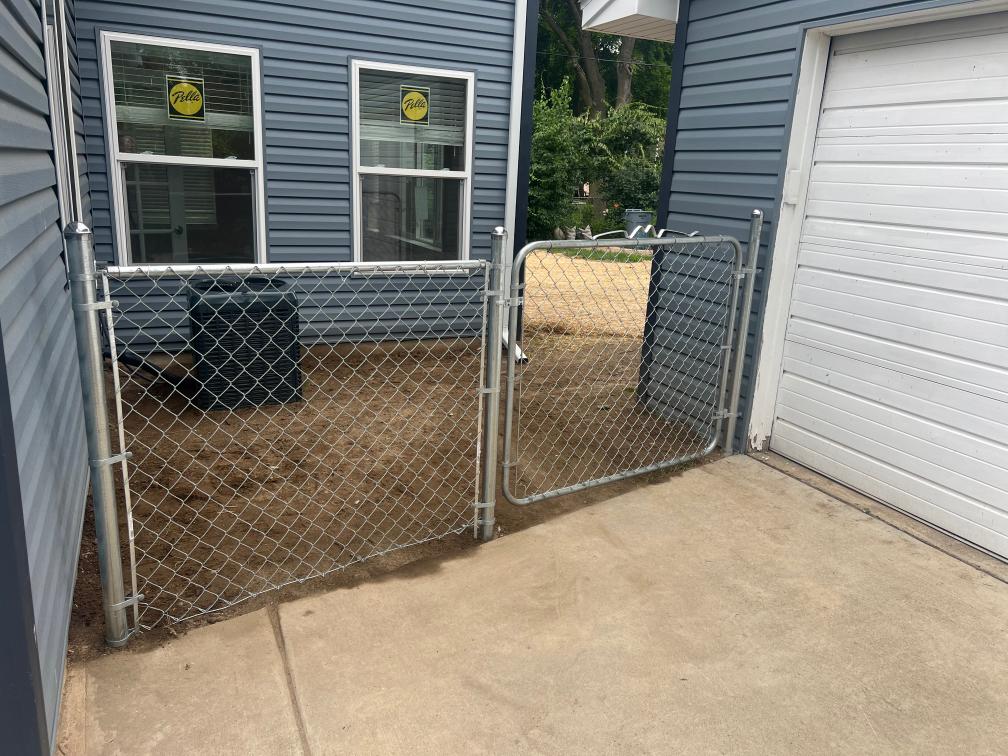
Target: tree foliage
(619, 155)
(605, 70)
(628, 146)
(557, 162)
(599, 119)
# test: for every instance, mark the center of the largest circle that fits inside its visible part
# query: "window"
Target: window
(412, 164)
(185, 141)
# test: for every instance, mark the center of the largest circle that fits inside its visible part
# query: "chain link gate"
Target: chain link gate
(270, 424)
(619, 359)
(285, 421)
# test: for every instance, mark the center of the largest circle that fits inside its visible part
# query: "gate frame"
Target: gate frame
(729, 368)
(90, 296)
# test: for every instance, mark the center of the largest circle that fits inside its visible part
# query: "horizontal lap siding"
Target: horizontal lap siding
(687, 315)
(151, 315)
(739, 74)
(306, 117)
(39, 340)
(306, 46)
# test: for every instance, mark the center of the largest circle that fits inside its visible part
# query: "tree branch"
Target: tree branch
(551, 22)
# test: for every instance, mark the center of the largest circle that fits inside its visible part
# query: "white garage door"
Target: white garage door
(895, 374)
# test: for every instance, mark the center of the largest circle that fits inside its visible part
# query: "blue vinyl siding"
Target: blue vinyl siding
(740, 63)
(305, 49)
(39, 339)
(305, 52)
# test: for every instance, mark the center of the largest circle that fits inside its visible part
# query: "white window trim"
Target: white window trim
(117, 159)
(466, 175)
(800, 149)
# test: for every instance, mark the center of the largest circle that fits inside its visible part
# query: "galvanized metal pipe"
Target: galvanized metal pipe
(727, 344)
(246, 269)
(513, 358)
(492, 382)
(755, 230)
(84, 299)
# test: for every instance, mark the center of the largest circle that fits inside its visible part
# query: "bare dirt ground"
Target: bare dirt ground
(376, 469)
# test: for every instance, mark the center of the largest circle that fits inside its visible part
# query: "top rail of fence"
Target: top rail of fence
(442, 267)
(641, 243)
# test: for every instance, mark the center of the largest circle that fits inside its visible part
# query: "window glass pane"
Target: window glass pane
(177, 101)
(189, 214)
(410, 121)
(410, 218)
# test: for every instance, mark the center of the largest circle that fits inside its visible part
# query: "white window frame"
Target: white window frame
(356, 66)
(118, 160)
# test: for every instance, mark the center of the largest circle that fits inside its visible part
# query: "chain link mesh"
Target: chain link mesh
(290, 421)
(626, 352)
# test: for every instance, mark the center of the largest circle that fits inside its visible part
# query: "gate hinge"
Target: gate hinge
(114, 459)
(109, 305)
(514, 301)
(128, 601)
(722, 415)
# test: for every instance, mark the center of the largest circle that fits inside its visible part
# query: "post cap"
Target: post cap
(500, 231)
(76, 228)
(757, 213)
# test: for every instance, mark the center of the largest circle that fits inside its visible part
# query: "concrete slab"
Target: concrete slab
(219, 689)
(730, 609)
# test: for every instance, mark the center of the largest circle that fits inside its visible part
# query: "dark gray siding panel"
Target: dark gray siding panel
(688, 305)
(335, 307)
(38, 337)
(731, 117)
(305, 48)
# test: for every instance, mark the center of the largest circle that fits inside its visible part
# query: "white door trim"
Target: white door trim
(805, 120)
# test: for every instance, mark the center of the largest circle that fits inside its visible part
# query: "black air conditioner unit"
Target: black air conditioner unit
(246, 350)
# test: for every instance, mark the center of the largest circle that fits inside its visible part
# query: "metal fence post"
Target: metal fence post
(492, 382)
(84, 297)
(752, 255)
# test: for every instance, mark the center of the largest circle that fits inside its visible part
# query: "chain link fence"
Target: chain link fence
(620, 354)
(284, 422)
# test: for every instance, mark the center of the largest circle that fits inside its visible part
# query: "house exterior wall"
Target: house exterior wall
(38, 335)
(734, 81)
(305, 52)
(305, 49)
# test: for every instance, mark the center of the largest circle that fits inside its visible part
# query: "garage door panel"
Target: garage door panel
(849, 170)
(981, 380)
(889, 69)
(945, 447)
(895, 370)
(948, 220)
(874, 478)
(961, 248)
(973, 356)
(940, 198)
(917, 308)
(966, 113)
(946, 88)
(961, 410)
(930, 462)
(882, 263)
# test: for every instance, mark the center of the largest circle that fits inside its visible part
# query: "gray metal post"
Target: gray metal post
(755, 230)
(492, 382)
(84, 296)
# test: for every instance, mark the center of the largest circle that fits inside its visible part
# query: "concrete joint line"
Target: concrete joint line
(274, 616)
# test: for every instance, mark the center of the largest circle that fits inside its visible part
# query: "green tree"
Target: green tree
(627, 168)
(605, 70)
(620, 155)
(558, 140)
